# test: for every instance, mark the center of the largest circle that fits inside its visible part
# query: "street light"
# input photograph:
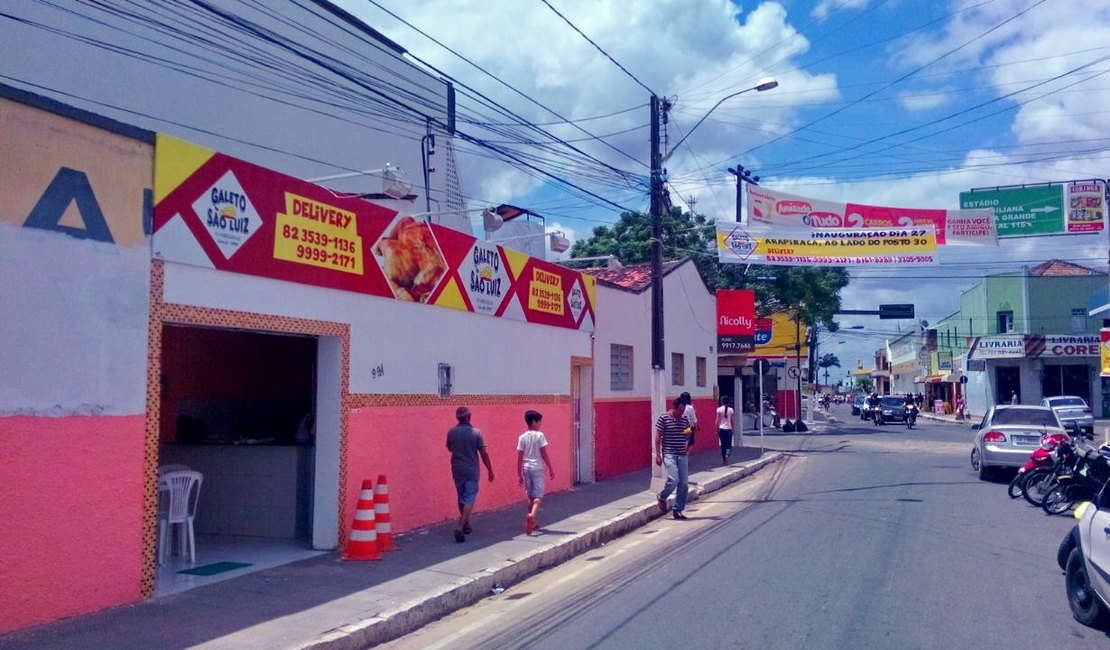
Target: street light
(766, 83)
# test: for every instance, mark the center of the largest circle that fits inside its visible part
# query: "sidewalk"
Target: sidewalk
(325, 603)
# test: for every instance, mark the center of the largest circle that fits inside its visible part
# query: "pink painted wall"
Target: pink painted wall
(71, 516)
(622, 434)
(407, 444)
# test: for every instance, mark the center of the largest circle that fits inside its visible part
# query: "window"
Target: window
(678, 369)
(1005, 322)
(699, 369)
(620, 367)
(1078, 321)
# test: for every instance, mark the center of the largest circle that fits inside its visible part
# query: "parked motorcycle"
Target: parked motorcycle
(1040, 458)
(1089, 475)
(911, 416)
(1042, 480)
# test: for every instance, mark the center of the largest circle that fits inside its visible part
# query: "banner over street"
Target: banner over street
(758, 243)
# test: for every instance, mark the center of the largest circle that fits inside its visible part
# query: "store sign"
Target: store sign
(779, 209)
(1104, 352)
(219, 212)
(762, 244)
(997, 347)
(764, 330)
(735, 321)
(1074, 345)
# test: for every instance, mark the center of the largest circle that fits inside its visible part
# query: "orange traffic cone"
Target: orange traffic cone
(362, 544)
(381, 515)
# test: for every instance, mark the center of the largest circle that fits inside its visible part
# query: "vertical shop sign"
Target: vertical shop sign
(735, 321)
(1104, 351)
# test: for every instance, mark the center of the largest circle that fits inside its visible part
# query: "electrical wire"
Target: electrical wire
(599, 48)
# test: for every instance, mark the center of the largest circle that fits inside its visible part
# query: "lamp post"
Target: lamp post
(659, 109)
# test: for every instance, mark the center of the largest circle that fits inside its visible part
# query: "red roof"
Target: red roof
(634, 278)
(1060, 268)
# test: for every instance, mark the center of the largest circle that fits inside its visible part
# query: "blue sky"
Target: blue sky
(888, 102)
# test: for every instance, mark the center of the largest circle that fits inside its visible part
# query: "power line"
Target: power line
(598, 48)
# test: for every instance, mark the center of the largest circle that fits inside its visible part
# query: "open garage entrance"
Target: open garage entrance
(243, 409)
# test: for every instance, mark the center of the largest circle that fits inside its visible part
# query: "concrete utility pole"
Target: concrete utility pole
(658, 367)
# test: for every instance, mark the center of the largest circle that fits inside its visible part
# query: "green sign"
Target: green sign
(1021, 211)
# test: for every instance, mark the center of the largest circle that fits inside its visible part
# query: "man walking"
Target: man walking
(671, 443)
(465, 444)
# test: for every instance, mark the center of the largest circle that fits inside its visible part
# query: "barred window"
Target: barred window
(678, 369)
(620, 367)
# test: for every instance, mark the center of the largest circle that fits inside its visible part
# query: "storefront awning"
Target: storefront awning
(920, 379)
(954, 377)
(935, 379)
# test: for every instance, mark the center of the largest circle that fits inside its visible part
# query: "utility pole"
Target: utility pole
(658, 384)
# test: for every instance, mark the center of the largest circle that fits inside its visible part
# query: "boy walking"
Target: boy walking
(530, 458)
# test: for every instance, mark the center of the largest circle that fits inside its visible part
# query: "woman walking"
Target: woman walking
(726, 415)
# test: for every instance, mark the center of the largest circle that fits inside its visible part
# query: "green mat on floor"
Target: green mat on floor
(213, 569)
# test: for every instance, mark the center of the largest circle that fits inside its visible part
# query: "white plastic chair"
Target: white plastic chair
(178, 494)
(166, 469)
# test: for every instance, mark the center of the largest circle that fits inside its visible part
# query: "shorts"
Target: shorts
(467, 490)
(533, 483)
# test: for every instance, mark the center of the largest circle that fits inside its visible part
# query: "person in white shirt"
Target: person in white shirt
(726, 416)
(690, 415)
(530, 459)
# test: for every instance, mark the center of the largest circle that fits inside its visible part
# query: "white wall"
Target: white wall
(689, 327)
(408, 341)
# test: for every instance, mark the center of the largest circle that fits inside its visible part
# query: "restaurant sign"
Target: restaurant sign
(226, 214)
(759, 243)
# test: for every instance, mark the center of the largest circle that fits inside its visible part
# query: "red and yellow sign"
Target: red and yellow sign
(1104, 352)
(216, 211)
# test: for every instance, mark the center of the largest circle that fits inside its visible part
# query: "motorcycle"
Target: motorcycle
(1042, 480)
(1086, 479)
(1040, 458)
(911, 415)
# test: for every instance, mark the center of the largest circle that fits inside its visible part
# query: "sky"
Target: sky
(885, 102)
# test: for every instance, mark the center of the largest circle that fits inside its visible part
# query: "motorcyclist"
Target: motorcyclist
(874, 400)
(909, 401)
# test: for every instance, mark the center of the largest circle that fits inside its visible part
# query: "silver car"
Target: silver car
(1071, 410)
(1008, 435)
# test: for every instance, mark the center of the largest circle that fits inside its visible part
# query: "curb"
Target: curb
(410, 616)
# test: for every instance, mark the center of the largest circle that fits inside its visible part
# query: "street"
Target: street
(867, 537)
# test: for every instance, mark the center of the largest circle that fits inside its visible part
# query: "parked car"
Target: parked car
(1084, 556)
(893, 409)
(1007, 435)
(1071, 410)
(857, 404)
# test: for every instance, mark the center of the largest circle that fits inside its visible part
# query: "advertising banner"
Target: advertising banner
(1104, 351)
(961, 227)
(778, 337)
(761, 244)
(1071, 208)
(219, 212)
(735, 321)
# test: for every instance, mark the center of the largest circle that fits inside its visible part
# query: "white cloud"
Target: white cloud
(826, 7)
(918, 101)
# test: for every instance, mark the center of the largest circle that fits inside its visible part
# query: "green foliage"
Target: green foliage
(811, 294)
(865, 384)
(828, 360)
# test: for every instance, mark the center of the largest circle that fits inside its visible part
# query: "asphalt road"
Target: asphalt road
(868, 537)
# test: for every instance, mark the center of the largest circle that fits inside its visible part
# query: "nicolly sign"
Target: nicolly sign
(222, 213)
(1071, 208)
(736, 323)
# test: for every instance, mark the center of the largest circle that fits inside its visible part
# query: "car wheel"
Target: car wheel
(1082, 599)
(977, 465)
(1070, 541)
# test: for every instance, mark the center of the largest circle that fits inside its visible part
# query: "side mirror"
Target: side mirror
(975, 427)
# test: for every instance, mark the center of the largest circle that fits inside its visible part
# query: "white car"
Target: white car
(1072, 410)
(1084, 556)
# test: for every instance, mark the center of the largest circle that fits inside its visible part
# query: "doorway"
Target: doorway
(582, 422)
(1007, 382)
(1071, 379)
(242, 408)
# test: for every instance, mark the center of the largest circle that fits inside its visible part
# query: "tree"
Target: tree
(828, 360)
(809, 294)
(865, 384)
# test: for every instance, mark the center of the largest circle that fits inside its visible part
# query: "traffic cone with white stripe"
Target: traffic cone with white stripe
(362, 544)
(381, 515)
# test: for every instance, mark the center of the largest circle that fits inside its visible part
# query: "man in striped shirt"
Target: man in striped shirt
(671, 442)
